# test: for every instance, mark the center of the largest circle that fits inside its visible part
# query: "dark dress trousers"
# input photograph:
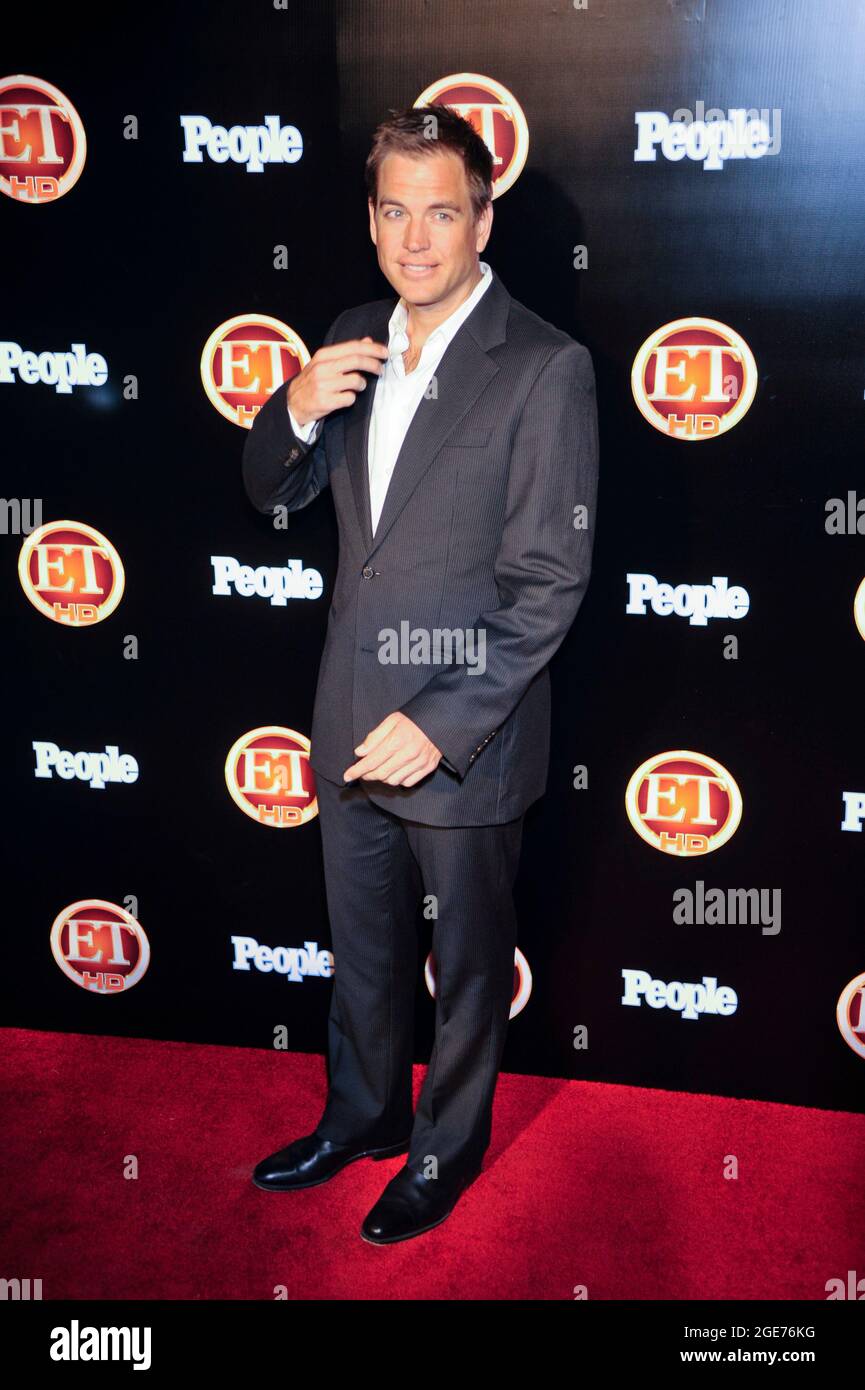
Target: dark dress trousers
(477, 533)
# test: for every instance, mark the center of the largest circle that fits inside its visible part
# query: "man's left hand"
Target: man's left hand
(396, 751)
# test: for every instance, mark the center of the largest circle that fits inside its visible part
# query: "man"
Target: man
(457, 432)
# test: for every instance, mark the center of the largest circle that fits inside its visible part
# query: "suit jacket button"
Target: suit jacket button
(367, 571)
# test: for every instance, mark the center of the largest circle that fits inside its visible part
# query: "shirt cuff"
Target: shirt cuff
(303, 432)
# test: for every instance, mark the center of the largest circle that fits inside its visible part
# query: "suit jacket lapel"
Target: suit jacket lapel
(463, 372)
(357, 428)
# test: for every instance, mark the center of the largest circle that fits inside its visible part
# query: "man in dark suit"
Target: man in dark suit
(457, 432)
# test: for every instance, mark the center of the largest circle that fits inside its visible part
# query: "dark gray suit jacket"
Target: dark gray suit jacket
(477, 532)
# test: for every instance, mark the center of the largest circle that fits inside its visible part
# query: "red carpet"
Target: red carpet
(616, 1188)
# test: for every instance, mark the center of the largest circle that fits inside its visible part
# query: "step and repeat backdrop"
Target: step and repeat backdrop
(679, 186)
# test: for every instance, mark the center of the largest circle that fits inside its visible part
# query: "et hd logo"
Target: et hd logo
(100, 946)
(522, 985)
(694, 379)
(245, 360)
(268, 775)
(71, 573)
(42, 142)
(850, 1014)
(495, 114)
(683, 803)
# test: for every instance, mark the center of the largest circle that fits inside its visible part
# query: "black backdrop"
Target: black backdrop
(147, 255)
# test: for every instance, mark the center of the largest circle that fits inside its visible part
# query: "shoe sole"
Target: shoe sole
(376, 1154)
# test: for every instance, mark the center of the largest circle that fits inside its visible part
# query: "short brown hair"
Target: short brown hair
(423, 130)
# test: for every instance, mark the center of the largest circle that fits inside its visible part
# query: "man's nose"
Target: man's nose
(415, 238)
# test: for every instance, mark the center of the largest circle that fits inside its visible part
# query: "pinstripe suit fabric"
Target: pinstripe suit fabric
(476, 532)
(376, 865)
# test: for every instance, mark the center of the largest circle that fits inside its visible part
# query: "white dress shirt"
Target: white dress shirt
(397, 395)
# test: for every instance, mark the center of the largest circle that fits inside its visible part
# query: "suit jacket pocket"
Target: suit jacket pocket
(468, 439)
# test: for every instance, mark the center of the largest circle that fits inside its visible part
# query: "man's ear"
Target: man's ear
(485, 226)
(371, 221)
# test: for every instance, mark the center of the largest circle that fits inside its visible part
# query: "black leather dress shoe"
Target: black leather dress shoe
(311, 1160)
(412, 1204)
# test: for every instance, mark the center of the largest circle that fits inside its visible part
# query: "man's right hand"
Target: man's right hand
(332, 378)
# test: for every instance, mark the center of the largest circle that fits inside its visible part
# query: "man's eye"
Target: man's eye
(397, 212)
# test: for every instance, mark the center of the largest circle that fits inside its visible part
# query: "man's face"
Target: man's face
(423, 230)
